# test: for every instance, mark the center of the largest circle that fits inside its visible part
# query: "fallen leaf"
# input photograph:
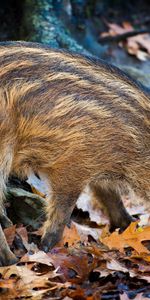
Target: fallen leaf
(114, 265)
(27, 282)
(86, 231)
(24, 236)
(89, 204)
(70, 236)
(10, 234)
(135, 44)
(7, 284)
(141, 55)
(124, 296)
(39, 257)
(131, 237)
(117, 29)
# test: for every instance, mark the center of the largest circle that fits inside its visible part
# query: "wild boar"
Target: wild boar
(79, 121)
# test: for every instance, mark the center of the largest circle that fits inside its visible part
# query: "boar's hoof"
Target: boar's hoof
(122, 225)
(49, 240)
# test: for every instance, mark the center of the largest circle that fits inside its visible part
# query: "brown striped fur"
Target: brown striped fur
(77, 120)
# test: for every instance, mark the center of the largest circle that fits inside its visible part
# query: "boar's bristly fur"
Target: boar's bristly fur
(77, 120)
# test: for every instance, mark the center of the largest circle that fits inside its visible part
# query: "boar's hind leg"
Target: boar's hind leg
(4, 220)
(113, 206)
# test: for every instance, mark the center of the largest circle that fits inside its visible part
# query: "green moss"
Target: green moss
(40, 24)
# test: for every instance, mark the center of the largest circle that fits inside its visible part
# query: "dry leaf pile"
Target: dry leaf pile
(88, 263)
(138, 45)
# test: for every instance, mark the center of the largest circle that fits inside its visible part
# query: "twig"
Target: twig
(123, 36)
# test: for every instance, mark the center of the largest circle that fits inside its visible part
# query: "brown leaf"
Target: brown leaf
(131, 237)
(134, 44)
(39, 257)
(88, 203)
(117, 29)
(143, 40)
(70, 236)
(37, 192)
(85, 231)
(10, 234)
(74, 264)
(7, 284)
(23, 234)
(27, 282)
(114, 265)
(127, 26)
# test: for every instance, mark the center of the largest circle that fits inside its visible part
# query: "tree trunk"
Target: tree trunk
(41, 23)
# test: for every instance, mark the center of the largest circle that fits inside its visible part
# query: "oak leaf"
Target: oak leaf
(131, 237)
(135, 44)
(70, 236)
(10, 234)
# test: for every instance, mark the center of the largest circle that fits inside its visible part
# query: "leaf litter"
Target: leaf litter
(138, 45)
(88, 263)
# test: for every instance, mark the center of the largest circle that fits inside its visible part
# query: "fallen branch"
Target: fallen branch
(123, 36)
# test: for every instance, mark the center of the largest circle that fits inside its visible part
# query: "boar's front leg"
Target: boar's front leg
(4, 220)
(66, 191)
(6, 256)
(58, 215)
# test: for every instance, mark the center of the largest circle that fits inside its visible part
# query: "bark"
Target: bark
(79, 12)
(42, 24)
